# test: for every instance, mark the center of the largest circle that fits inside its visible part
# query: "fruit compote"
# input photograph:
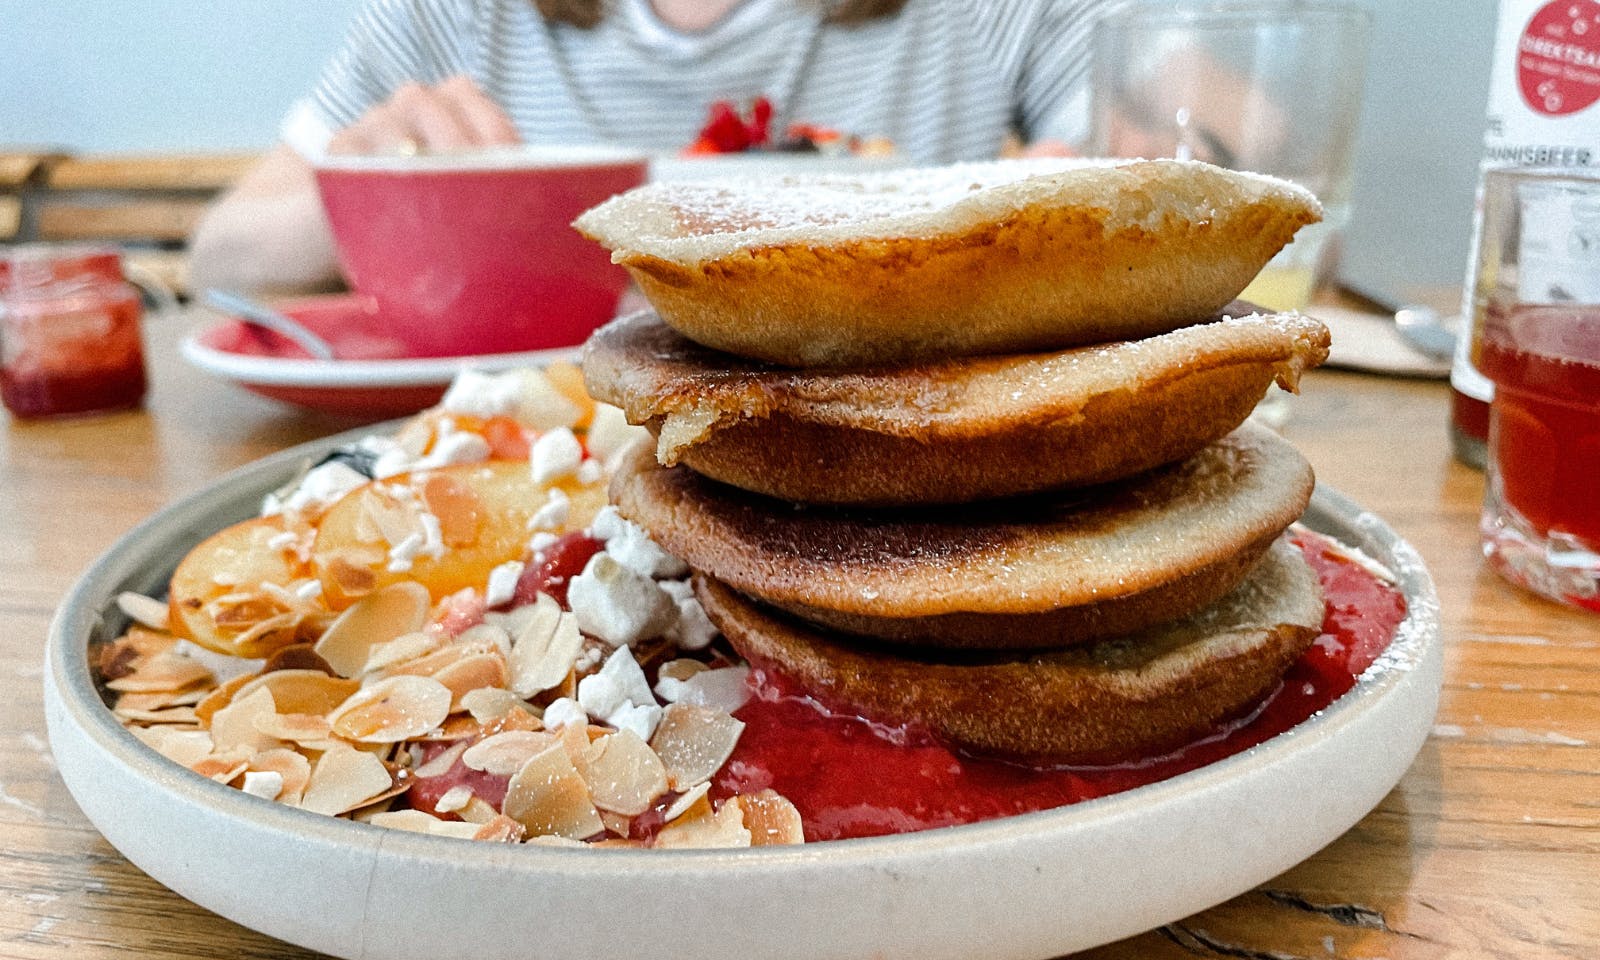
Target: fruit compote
(69, 333)
(849, 778)
(1541, 521)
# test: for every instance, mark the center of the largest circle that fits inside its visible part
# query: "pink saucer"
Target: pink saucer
(370, 376)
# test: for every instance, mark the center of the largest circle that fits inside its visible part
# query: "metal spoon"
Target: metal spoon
(259, 314)
(1421, 328)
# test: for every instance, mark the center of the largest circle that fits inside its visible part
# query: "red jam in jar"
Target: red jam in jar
(69, 332)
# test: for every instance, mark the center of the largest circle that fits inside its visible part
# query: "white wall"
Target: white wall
(156, 75)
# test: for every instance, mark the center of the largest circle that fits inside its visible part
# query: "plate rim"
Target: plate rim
(71, 693)
(349, 374)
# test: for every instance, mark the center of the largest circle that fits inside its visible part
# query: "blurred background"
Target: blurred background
(164, 76)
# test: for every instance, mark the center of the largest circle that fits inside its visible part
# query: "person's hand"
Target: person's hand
(450, 116)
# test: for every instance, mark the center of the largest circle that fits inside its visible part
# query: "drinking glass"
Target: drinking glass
(1271, 87)
(1536, 335)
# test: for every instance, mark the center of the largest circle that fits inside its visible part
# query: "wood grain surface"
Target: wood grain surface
(1489, 847)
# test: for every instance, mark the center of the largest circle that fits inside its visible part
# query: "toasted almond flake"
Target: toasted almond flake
(543, 651)
(503, 754)
(724, 689)
(442, 763)
(297, 656)
(454, 728)
(290, 765)
(268, 636)
(723, 829)
(162, 672)
(478, 811)
(183, 747)
(343, 779)
(415, 821)
(617, 823)
(681, 669)
(694, 742)
(489, 636)
(302, 728)
(624, 774)
(459, 508)
(391, 710)
(487, 704)
(547, 796)
(302, 691)
(502, 829)
(220, 768)
(551, 840)
(160, 700)
(686, 802)
(483, 670)
(454, 799)
(183, 715)
(145, 610)
(394, 611)
(234, 726)
(220, 697)
(394, 520)
(404, 648)
(771, 819)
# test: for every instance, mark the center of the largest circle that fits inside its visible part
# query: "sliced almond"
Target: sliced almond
(502, 829)
(548, 797)
(397, 609)
(723, 829)
(145, 610)
(234, 726)
(302, 691)
(487, 705)
(624, 775)
(415, 821)
(220, 697)
(453, 729)
(771, 819)
(542, 652)
(343, 779)
(617, 823)
(479, 671)
(293, 767)
(694, 742)
(349, 574)
(269, 635)
(393, 519)
(391, 710)
(505, 753)
(160, 700)
(164, 671)
(686, 802)
(221, 768)
(183, 715)
(456, 798)
(308, 729)
(681, 669)
(478, 811)
(404, 648)
(185, 747)
(441, 764)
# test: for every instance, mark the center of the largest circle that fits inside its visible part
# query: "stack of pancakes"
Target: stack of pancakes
(961, 449)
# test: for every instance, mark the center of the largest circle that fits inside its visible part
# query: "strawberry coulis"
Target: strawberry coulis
(850, 778)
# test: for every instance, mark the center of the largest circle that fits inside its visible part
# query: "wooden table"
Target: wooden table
(1490, 846)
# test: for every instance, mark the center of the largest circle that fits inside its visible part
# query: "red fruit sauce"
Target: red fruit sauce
(562, 561)
(820, 762)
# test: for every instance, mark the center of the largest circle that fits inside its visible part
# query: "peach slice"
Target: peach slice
(216, 597)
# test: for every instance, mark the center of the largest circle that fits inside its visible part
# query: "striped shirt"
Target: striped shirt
(945, 80)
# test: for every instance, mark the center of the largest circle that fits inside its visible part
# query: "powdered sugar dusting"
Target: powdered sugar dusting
(697, 221)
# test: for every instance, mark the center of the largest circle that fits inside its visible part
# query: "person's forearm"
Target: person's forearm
(266, 236)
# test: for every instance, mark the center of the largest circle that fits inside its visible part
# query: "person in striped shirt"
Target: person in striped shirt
(943, 80)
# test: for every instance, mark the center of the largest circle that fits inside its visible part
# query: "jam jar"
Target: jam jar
(69, 332)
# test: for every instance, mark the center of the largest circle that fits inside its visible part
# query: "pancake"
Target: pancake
(1128, 698)
(953, 431)
(1141, 551)
(904, 265)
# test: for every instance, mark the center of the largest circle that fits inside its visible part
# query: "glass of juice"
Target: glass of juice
(69, 332)
(1536, 335)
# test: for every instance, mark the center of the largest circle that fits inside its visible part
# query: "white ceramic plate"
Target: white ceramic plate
(1024, 887)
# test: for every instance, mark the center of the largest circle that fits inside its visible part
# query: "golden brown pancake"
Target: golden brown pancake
(953, 431)
(1133, 697)
(1002, 257)
(1001, 574)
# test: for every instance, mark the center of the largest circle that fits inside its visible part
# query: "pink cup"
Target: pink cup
(475, 253)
